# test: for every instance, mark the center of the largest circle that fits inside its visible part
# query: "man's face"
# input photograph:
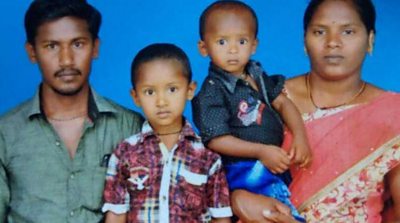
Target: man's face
(64, 50)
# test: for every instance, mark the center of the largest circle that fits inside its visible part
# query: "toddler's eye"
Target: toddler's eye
(221, 42)
(243, 41)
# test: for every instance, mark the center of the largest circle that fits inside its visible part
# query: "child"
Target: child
(236, 108)
(164, 173)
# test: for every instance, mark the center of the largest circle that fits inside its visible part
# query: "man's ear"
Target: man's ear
(254, 47)
(135, 97)
(191, 90)
(202, 48)
(30, 50)
(96, 48)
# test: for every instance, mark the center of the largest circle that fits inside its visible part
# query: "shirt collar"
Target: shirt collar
(97, 104)
(230, 81)
(186, 133)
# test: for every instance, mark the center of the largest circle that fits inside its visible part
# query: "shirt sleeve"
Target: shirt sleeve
(116, 197)
(274, 85)
(218, 191)
(4, 189)
(210, 112)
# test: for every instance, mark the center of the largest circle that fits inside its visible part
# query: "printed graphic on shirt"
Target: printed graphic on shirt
(138, 177)
(250, 111)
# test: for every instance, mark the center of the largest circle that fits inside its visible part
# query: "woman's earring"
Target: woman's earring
(305, 51)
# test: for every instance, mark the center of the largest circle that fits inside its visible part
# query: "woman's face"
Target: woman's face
(336, 40)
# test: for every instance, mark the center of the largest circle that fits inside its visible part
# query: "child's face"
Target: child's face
(229, 39)
(162, 90)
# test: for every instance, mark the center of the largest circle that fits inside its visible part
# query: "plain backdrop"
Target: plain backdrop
(129, 25)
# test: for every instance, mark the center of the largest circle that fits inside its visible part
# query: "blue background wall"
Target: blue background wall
(128, 26)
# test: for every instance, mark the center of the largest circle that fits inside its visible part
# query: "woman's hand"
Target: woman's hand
(250, 207)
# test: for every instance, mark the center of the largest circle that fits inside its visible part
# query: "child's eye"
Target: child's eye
(172, 89)
(221, 42)
(149, 92)
(243, 41)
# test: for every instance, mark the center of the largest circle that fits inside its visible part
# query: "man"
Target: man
(54, 148)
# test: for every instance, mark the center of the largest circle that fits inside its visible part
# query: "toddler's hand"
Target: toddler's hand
(274, 158)
(300, 152)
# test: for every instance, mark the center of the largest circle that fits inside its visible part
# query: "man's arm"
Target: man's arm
(4, 188)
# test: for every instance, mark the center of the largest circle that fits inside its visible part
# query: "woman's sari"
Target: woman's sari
(353, 148)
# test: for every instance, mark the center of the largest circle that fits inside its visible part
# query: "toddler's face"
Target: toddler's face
(161, 89)
(229, 39)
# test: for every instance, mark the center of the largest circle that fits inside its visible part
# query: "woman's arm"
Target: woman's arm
(249, 207)
(393, 181)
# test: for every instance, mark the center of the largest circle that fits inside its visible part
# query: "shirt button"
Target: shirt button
(72, 176)
(164, 198)
(71, 213)
(58, 143)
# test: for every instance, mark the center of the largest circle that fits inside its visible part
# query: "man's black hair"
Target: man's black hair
(42, 11)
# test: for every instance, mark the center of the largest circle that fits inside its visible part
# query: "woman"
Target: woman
(352, 125)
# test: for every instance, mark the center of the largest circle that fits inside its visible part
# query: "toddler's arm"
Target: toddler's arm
(273, 157)
(300, 149)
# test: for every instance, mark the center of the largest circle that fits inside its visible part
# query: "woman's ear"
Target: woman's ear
(371, 42)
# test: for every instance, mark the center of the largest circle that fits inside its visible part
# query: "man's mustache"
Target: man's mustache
(67, 72)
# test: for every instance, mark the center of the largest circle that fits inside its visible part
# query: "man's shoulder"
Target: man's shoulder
(16, 114)
(120, 110)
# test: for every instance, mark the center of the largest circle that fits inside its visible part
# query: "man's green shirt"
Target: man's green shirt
(39, 182)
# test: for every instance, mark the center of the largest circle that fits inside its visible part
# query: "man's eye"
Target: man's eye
(221, 42)
(51, 46)
(78, 44)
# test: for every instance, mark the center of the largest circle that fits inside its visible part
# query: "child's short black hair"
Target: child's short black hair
(225, 4)
(42, 11)
(161, 51)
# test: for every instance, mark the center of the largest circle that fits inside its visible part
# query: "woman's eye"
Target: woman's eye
(348, 32)
(319, 32)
